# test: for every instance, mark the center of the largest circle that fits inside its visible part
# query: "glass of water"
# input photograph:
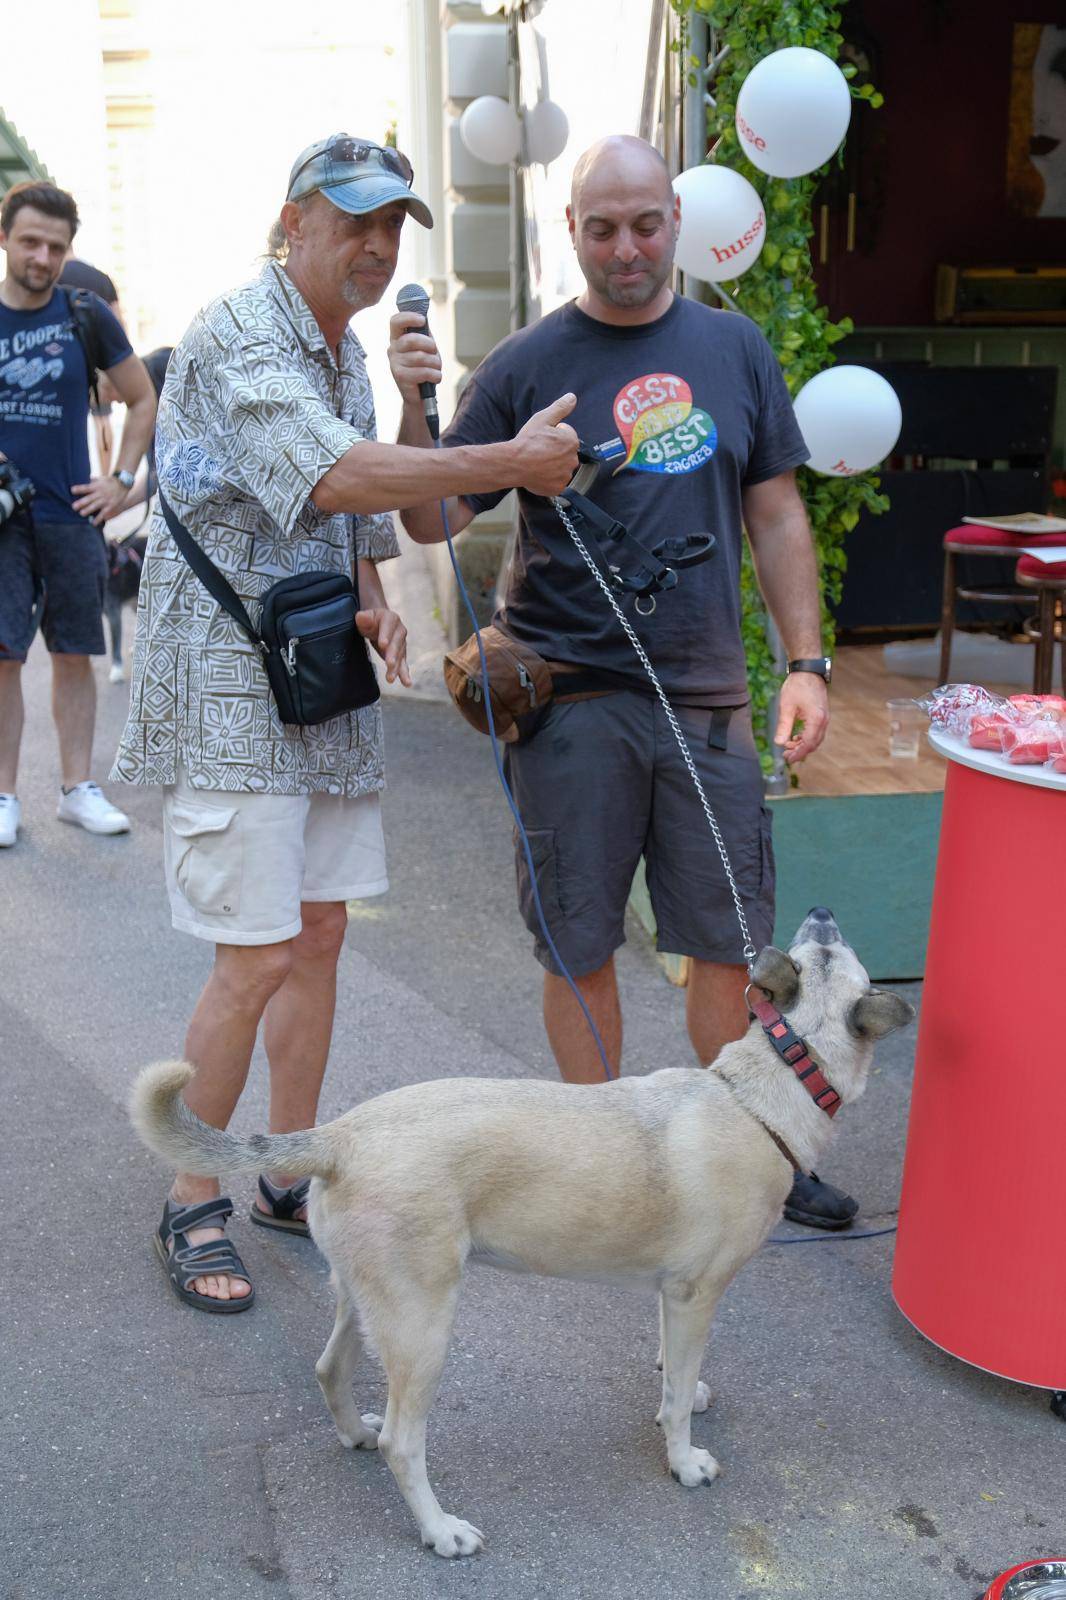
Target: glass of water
(906, 722)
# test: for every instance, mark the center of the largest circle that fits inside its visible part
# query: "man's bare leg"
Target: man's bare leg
(715, 1008)
(74, 711)
(12, 716)
(298, 1024)
(219, 1045)
(569, 1034)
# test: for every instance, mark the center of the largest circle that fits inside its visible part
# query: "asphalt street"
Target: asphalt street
(149, 1450)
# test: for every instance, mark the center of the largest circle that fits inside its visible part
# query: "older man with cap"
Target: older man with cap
(267, 454)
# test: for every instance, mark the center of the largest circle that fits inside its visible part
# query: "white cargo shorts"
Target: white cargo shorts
(238, 865)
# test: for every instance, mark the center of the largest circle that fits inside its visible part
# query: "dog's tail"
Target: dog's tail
(168, 1127)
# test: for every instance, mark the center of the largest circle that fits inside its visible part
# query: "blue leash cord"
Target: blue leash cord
(557, 958)
(839, 1238)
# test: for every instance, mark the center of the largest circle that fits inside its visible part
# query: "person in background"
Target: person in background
(53, 561)
(126, 553)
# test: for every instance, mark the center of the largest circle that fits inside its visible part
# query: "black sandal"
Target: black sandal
(213, 1258)
(284, 1204)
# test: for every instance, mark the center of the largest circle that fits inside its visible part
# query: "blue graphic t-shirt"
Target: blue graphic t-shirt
(44, 398)
(685, 413)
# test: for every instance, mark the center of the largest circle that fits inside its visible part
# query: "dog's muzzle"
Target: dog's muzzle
(819, 927)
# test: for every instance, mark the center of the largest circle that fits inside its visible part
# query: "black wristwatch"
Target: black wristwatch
(821, 666)
(126, 479)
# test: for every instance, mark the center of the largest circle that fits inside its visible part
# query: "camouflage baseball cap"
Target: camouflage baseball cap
(357, 175)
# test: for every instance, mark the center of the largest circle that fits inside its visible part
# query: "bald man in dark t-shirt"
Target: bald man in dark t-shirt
(688, 410)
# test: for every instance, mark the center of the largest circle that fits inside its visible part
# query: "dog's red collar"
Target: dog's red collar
(794, 1052)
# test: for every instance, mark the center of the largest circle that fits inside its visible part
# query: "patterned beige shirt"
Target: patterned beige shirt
(253, 413)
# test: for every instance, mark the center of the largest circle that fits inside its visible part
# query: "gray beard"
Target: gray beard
(352, 297)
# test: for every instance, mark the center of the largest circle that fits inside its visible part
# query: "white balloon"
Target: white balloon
(723, 224)
(491, 131)
(547, 131)
(850, 419)
(793, 110)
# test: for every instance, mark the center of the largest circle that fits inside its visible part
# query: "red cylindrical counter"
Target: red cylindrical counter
(980, 1264)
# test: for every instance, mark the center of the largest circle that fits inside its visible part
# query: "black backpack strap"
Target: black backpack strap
(216, 585)
(87, 332)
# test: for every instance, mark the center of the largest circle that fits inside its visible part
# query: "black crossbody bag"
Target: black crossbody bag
(315, 657)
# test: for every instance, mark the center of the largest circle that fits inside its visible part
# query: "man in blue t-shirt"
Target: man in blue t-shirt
(688, 412)
(53, 562)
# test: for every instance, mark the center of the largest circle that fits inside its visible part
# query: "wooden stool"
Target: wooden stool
(1048, 579)
(973, 539)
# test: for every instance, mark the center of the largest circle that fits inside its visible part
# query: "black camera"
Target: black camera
(16, 491)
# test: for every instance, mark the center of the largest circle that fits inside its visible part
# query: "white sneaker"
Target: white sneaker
(88, 806)
(10, 817)
(117, 673)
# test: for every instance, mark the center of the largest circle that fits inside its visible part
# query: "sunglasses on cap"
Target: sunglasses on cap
(355, 152)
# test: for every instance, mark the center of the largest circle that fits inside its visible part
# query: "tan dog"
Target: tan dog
(670, 1181)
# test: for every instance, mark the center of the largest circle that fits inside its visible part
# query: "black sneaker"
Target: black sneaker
(819, 1205)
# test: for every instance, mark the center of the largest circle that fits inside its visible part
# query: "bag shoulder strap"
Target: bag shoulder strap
(87, 332)
(218, 587)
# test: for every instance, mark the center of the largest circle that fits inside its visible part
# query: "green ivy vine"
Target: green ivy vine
(779, 293)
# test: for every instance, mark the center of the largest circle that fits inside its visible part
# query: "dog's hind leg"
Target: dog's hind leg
(335, 1370)
(411, 1326)
(703, 1393)
(687, 1311)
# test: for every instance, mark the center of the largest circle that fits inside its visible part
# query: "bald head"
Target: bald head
(617, 164)
(624, 218)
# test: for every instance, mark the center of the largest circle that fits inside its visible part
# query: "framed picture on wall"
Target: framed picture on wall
(1036, 144)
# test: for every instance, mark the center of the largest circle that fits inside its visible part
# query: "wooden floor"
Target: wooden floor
(854, 758)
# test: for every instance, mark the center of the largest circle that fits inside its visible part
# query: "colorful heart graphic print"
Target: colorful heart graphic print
(660, 427)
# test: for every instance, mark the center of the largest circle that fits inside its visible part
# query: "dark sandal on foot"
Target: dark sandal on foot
(284, 1204)
(184, 1262)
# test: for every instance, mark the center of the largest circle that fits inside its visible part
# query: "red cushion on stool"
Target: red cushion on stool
(1030, 567)
(977, 534)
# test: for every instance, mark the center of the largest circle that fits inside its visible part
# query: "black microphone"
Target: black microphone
(412, 297)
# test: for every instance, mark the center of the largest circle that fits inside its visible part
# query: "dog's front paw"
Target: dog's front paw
(451, 1536)
(365, 1437)
(694, 1468)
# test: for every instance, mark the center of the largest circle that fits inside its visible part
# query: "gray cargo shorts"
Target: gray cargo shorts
(602, 783)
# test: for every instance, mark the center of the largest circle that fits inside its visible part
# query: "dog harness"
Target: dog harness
(655, 569)
(795, 1053)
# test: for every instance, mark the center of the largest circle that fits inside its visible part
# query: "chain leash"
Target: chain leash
(749, 948)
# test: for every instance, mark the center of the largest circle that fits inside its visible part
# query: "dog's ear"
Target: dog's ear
(776, 972)
(878, 1013)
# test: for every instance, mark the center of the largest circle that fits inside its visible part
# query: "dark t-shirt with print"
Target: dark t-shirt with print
(687, 411)
(44, 398)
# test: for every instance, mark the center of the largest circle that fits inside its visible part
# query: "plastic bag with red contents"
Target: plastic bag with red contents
(1035, 741)
(952, 706)
(1039, 705)
(988, 728)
